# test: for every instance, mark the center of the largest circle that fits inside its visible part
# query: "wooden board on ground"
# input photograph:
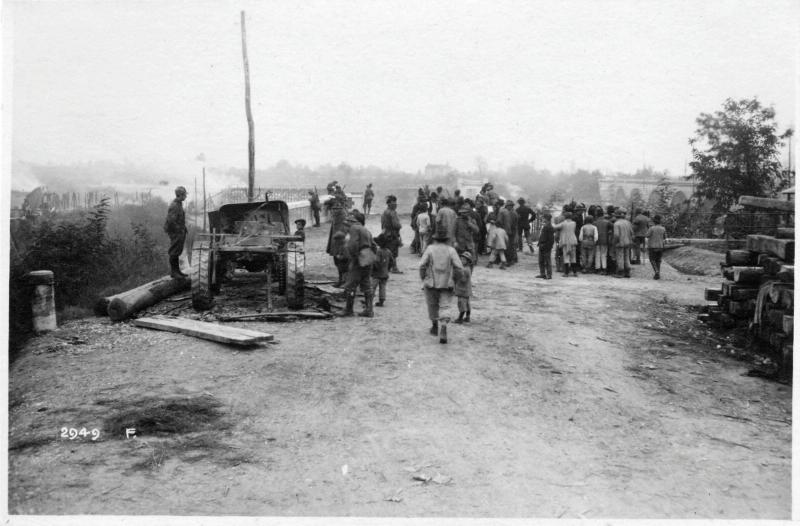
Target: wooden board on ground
(278, 316)
(330, 289)
(201, 329)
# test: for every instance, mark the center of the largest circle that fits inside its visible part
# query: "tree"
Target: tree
(736, 152)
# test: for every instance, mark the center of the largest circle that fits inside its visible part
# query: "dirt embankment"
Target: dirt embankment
(573, 397)
(695, 261)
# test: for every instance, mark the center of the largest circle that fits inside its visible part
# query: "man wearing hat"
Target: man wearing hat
(175, 227)
(466, 230)
(446, 217)
(362, 256)
(301, 225)
(390, 228)
(439, 269)
(623, 241)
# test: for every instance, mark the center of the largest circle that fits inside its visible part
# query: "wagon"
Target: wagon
(248, 237)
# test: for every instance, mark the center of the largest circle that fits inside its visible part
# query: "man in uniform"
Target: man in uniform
(175, 227)
(315, 207)
(368, 196)
(390, 227)
(362, 256)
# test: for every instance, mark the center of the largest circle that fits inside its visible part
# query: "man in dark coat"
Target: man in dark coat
(175, 227)
(546, 240)
(466, 229)
(526, 216)
(483, 212)
(509, 220)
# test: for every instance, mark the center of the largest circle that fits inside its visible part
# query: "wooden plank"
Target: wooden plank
(277, 316)
(782, 248)
(741, 309)
(738, 258)
(747, 274)
(785, 233)
(767, 203)
(772, 265)
(201, 329)
(743, 293)
(712, 294)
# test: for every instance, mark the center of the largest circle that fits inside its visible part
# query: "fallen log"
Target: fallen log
(767, 203)
(201, 329)
(738, 258)
(125, 304)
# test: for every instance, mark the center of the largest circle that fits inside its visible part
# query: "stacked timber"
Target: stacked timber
(758, 293)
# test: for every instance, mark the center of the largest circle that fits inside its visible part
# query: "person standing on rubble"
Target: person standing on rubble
(390, 227)
(175, 227)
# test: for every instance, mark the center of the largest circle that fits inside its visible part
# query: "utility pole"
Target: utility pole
(251, 144)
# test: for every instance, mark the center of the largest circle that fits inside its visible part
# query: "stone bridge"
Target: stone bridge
(617, 191)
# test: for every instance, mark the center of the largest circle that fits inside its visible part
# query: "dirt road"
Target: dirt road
(578, 397)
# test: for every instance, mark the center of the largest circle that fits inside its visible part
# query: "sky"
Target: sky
(609, 85)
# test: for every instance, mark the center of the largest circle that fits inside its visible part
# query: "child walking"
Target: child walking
(380, 269)
(463, 288)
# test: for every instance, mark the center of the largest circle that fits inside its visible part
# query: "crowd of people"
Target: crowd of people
(452, 232)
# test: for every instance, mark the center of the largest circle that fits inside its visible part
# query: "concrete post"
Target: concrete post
(43, 302)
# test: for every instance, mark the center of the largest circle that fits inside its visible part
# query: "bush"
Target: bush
(86, 260)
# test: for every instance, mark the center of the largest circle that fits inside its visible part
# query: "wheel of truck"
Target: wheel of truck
(201, 274)
(295, 285)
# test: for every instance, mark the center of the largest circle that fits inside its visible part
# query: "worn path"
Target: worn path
(579, 397)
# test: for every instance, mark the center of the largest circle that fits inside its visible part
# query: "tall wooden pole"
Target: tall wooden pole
(195, 201)
(204, 198)
(251, 143)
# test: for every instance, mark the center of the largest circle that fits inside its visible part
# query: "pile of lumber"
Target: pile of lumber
(758, 293)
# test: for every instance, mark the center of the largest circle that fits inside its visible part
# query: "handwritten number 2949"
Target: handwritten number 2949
(72, 433)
